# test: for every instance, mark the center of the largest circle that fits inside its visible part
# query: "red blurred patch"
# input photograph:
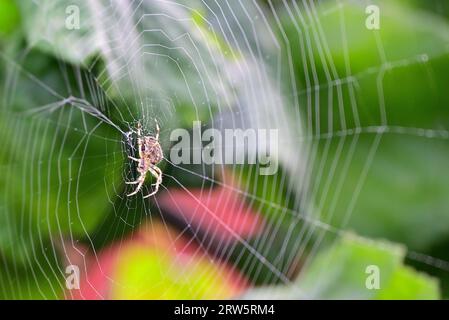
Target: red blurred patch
(218, 214)
(97, 282)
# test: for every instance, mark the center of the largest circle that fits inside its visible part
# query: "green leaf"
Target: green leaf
(41, 279)
(56, 179)
(9, 17)
(169, 61)
(137, 52)
(396, 187)
(407, 284)
(345, 271)
(45, 27)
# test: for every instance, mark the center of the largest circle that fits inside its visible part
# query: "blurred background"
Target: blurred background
(357, 90)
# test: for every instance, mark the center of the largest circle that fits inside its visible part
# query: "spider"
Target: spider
(150, 154)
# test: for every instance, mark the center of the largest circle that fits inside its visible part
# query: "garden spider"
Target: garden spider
(150, 154)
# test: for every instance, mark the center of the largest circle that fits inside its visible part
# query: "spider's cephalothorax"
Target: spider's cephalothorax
(150, 154)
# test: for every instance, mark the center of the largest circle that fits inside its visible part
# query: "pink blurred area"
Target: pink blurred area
(219, 213)
(161, 262)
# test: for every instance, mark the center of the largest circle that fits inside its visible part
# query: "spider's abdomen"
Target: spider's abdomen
(152, 150)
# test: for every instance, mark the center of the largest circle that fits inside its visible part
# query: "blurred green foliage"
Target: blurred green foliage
(9, 17)
(351, 276)
(383, 79)
(401, 69)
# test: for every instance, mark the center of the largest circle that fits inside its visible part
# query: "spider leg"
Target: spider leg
(152, 193)
(157, 173)
(140, 183)
(139, 127)
(132, 182)
(157, 130)
(139, 139)
(135, 159)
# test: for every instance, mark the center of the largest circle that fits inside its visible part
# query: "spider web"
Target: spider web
(227, 64)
